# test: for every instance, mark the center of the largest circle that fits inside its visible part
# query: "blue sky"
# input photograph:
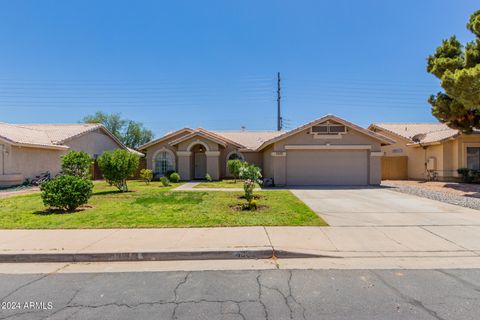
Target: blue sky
(213, 64)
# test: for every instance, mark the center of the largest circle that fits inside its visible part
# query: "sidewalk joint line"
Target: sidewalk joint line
(446, 239)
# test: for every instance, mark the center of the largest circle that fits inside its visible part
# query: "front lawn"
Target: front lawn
(226, 184)
(155, 206)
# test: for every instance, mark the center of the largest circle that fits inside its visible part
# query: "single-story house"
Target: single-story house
(422, 147)
(27, 150)
(326, 151)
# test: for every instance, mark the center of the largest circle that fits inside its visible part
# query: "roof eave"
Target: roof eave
(163, 138)
(196, 134)
(287, 134)
(40, 146)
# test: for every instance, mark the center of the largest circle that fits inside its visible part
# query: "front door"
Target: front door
(200, 165)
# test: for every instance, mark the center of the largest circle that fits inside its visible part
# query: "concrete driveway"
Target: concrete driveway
(379, 221)
(383, 207)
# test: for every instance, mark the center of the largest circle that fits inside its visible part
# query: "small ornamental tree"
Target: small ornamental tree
(146, 175)
(66, 192)
(234, 168)
(117, 166)
(458, 68)
(252, 175)
(77, 163)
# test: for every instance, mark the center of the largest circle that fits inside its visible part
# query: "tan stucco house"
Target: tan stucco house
(27, 150)
(429, 147)
(327, 151)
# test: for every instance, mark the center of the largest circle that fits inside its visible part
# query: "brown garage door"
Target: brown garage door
(327, 167)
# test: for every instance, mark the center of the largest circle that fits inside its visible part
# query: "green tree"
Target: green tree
(117, 166)
(133, 134)
(136, 134)
(113, 122)
(234, 168)
(77, 163)
(458, 68)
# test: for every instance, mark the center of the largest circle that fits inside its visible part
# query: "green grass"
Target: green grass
(155, 206)
(225, 184)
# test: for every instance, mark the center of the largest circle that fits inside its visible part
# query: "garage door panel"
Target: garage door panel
(327, 167)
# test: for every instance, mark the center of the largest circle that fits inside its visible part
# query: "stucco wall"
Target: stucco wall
(276, 165)
(465, 141)
(417, 156)
(224, 153)
(267, 163)
(30, 162)
(184, 163)
(94, 143)
(152, 150)
(184, 145)
(352, 137)
(255, 158)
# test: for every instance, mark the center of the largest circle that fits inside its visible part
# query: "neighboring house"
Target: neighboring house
(429, 146)
(27, 150)
(327, 151)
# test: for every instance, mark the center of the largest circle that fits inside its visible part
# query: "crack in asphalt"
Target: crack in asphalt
(407, 298)
(288, 298)
(237, 312)
(175, 293)
(43, 276)
(265, 310)
(270, 290)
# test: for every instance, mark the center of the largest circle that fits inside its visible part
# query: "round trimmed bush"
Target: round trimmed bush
(174, 177)
(66, 192)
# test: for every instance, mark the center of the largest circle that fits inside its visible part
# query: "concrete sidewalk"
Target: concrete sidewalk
(242, 242)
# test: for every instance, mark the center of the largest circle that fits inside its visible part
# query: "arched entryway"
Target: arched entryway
(199, 161)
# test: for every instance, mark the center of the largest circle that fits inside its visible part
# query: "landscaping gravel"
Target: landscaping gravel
(464, 201)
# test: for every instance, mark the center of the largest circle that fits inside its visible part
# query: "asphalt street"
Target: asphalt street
(267, 294)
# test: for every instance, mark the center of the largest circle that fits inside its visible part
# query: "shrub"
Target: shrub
(146, 175)
(169, 173)
(251, 175)
(174, 177)
(66, 192)
(253, 205)
(466, 174)
(234, 168)
(77, 163)
(208, 177)
(164, 180)
(117, 166)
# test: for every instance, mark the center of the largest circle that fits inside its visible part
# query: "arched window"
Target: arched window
(235, 156)
(164, 162)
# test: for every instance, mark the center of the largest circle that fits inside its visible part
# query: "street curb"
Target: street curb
(153, 256)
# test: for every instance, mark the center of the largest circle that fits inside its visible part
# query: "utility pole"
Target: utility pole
(279, 114)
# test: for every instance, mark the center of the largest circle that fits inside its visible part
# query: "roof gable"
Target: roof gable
(202, 134)
(49, 135)
(323, 119)
(165, 137)
(432, 132)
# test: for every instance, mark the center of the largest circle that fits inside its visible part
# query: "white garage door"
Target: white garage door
(327, 167)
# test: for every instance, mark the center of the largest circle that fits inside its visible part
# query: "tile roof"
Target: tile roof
(46, 135)
(59, 133)
(432, 132)
(25, 136)
(249, 139)
(257, 140)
